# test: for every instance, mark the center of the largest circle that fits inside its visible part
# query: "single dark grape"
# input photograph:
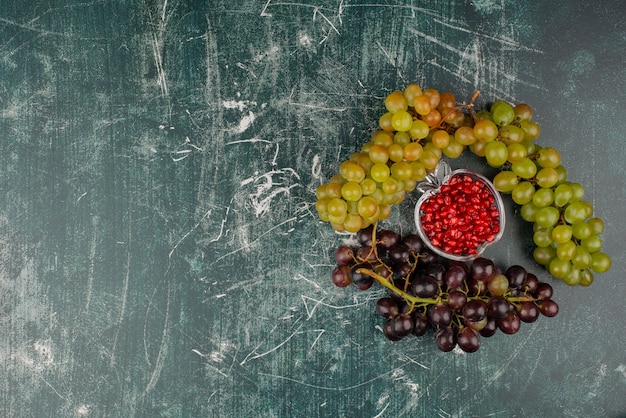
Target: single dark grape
(402, 325)
(549, 308)
(456, 299)
(445, 338)
(437, 271)
(388, 331)
(413, 243)
(476, 288)
(530, 287)
(420, 323)
(489, 329)
(498, 307)
(461, 264)
(428, 257)
(510, 324)
(439, 315)
(424, 287)
(344, 255)
(455, 277)
(387, 238)
(364, 236)
(468, 340)
(528, 312)
(399, 254)
(403, 270)
(366, 253)
(516, 275)
(360, 280)
(341, 276)
(474, 310)
(544, 291)
(482, 269)
(387, 307)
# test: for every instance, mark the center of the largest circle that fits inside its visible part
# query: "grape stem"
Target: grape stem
(408, 297)
(469, 106)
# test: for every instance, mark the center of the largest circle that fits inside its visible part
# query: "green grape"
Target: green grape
(592, 243)
(337, 207)
(496, 153)
(573, 277)
(506, 181)
(524, 168)
(543, 197)
(383, 138)
(547, 177)
(562, 172)
(517, 152)
(600, 262)
(523, 192)
(530, 146)
(401, 138)
(523, 112)
(413, 151)
(419, 129)
(586, 277)
(578, 192)
(485, 130)
(367, 207)
(502, 113)
(401, 170)
(566, 250)
(390, 186)
(531, 130)
(322, 208)
(588, 208)
(396, 152)
(368, 186)
(338, 220)
(351, 171)
(547, 217)
(544, 255)
(529, 212)
(429, 159)
(559, 268)
(419, 171)
(575, 212)
(562, 194)
(378, 154)
(351, 191)
(429, 146)
(454, 148)
(483, 115)
(353, 223)
(465, 135)
(396, 101)
(402, 121)
(582, 230)
(597, 225)
(581, 259)
(478, 148)
(511, 134)
(380, 172)
(543, 237)
(562, 234)
(353, 206)
(548, 157)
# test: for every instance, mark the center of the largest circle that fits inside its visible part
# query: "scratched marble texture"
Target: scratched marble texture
(159, 249)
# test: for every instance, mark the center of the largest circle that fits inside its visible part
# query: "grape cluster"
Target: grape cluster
(413, 135)
(460, 302)
(419, 127)
(566, 233)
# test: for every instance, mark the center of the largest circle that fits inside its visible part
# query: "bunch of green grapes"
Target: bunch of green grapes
(565, 231)
(413, 135)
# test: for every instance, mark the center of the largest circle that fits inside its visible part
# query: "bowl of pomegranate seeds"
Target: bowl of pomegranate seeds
(459, 214)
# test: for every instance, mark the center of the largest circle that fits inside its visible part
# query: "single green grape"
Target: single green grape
(351, 191)
(575, 212)
(496, 153)
(573, 277)
(502, 113)
(517, 152)
(543, 197)
(544, 255)
(562, 194)
(586, 277)
(597, 225)
(562, 234)
(524, 168)
(511, 134)
(547, 177)
(600, 262)
(578, 191)
(505, 181)
(559, 268)
(523, 192)
(402, 121)
(548, 157)
(547, 216)
(531, 129)
(592, 243)
(529, 212)
(543, 237)
(566, 250)
(582, 230)
(581, 259)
